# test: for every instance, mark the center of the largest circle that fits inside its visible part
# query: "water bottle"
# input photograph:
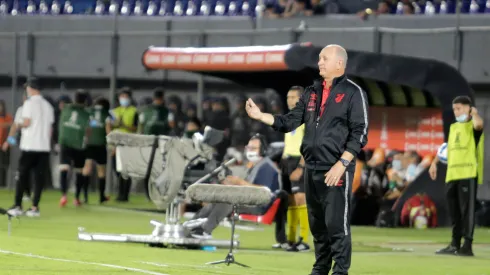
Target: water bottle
(178, 8)
(399, 8)
(113, 8)
(443, 7)
(219, 9)
(138, 8)
(43, 7)
(163, 8)
(205, 10)
(474, 7)
(68, 8)
(55, 7)
(152, 8)
(99, 7)
(125, 8)
(416, 8)
(191, 8)
(232, 8)
(245, 7)
(4, 8)
(31, 7)
(209, 248)
(259, 10)
(429, 8)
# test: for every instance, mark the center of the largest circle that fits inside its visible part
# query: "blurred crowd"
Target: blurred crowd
(381, 175)
(218, 112)
(382, 178)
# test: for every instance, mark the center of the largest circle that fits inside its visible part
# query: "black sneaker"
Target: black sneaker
(300, 246)
(199, 233)
(449, 250)
(465, 251)
(281, 246)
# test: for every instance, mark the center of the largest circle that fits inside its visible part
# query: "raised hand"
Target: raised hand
(252, 110)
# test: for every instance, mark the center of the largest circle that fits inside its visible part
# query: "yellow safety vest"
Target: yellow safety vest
(480, 157)
(292, 142)
(461, 152)
(126, 115)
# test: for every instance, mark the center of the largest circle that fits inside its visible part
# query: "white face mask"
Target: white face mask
(396, 164)
(252, 156)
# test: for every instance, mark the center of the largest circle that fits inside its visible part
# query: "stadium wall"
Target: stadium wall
(89, 47)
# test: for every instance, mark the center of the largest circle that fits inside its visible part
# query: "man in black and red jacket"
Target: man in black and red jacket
(335, 114)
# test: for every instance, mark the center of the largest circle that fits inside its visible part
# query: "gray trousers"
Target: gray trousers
(216, 212)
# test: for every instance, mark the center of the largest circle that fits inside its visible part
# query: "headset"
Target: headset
(264, 147)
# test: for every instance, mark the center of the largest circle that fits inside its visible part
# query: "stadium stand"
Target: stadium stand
(223, 7)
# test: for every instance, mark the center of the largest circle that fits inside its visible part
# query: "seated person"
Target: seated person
(261, 173)
(192, 126)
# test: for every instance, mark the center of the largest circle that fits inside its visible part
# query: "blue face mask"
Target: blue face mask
(396, 164)
(412, 170)
(462, 118)
(124, 102)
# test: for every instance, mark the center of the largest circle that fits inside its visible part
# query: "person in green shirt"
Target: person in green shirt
(96, 150)
(464, 145)
(73, 129)
(155, 119)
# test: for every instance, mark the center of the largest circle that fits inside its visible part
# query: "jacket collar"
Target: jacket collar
(318, 83)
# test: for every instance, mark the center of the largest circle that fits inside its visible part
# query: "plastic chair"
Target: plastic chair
(267, 218)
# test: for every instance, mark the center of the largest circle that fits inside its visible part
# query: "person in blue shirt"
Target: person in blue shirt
(262, 173)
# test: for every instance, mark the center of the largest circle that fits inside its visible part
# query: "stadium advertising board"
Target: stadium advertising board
(240, 59)
(398, 128)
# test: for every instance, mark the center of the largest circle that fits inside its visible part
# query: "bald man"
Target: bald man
(335, 113)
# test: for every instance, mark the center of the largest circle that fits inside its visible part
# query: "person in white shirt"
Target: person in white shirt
(35, 146)
(13, 139)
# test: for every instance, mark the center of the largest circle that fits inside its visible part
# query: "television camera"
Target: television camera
(167, 165)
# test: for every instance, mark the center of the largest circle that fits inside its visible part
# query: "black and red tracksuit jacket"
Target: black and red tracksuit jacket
(343, 126)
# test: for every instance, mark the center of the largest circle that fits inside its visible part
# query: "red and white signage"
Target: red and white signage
(418, 129)
(243, 59)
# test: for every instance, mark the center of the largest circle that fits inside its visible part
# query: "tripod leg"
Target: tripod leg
(240, 264)
(218, 262)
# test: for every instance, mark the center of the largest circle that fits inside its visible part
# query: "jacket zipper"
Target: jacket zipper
(319, 116)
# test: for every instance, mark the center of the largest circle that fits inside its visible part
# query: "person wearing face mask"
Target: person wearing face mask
(192, 126)
(155, 119)
(262, 173)
(125, 119)
(413, 168)
(464, 172)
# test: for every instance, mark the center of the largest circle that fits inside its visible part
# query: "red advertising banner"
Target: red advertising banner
(242, 59)
(419, 129)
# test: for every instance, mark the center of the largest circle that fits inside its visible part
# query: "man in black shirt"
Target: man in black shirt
(334, 111)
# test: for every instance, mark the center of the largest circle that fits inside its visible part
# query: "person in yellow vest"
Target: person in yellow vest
(464, 170)
(125, 119)
(292, 166)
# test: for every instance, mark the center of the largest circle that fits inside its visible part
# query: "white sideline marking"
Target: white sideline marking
(81, 262)
(180, 265)
(155, 264)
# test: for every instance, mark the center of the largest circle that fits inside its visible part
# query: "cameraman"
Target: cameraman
(262, 174)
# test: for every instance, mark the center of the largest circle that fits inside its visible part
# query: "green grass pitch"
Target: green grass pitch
(49, 245)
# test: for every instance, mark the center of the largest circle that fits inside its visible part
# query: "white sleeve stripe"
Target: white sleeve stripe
(364, 108)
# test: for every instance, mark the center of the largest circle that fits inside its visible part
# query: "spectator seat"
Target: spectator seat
(267, 218)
